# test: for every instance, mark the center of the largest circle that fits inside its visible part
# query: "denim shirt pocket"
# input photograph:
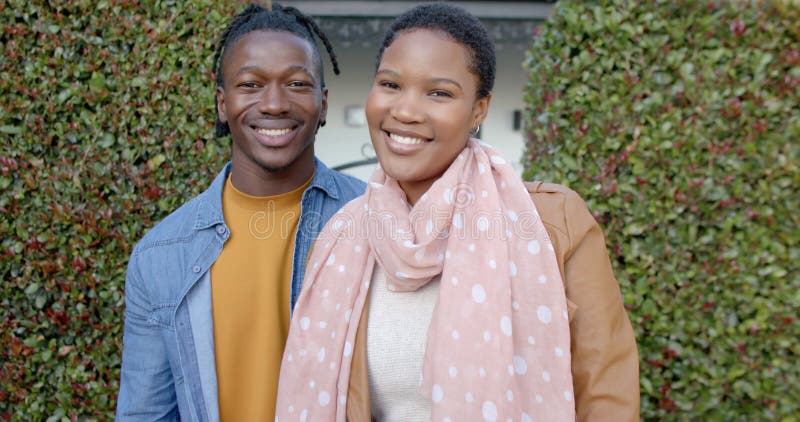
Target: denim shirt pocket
(162, 316)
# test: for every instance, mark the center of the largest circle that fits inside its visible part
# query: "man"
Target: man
(209, 290)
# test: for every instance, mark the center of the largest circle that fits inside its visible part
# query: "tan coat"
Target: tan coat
(605, 361)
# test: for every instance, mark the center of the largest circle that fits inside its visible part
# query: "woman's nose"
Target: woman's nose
(407, 108)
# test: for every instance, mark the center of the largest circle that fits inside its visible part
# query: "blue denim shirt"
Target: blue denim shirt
(168, 368)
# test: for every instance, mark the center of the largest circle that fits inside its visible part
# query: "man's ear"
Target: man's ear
(221, 105)
(480, 110)
(323, 111)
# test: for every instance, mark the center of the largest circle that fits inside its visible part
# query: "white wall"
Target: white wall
(338, 144)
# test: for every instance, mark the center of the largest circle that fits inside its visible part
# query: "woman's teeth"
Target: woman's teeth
(274, 132)
(405, 139)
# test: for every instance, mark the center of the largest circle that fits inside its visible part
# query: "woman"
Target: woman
(445, 292)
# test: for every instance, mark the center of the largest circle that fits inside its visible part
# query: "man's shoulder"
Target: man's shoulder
(351, 186)
(177, 225)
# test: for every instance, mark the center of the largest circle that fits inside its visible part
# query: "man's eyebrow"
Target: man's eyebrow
(290, 69)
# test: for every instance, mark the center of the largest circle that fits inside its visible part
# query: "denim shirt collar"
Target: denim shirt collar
(209, 211)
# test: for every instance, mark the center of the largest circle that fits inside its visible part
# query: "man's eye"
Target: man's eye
(248, 85)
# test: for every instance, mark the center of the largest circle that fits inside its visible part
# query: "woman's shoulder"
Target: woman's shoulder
(561, 209)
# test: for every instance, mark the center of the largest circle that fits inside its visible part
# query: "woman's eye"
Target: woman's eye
(439, 93)
(299, 84)
(388, 84)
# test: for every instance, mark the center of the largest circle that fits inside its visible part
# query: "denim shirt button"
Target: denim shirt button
(196, 269)
(221, 230)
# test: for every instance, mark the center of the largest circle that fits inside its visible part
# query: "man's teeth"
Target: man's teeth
(274, 132)
(406, 139)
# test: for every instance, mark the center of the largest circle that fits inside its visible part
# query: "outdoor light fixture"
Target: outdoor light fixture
(354, 116)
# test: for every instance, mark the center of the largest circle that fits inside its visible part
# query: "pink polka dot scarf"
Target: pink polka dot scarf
(498, 345)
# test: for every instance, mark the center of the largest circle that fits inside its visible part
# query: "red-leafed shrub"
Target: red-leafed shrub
(107, 124)
(679, 122)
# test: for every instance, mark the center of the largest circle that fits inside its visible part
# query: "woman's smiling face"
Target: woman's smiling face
(422, 107)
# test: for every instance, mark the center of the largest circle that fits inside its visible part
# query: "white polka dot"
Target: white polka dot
(534, 247)
(333, 334)
(347, 314)
(454, 280)
(496, 159)
(492, 264)
(338, 306)
(468, 397)
(481, 372)
(446, 419)
(505, 325)
(539, 398)
(455, 335)
(337, 225)
(324, 398)
(471, 247)
(531, 340)
(331, 260)
(484, 194)
(458, 221)
(512, 215)
(520, 366)
(303, 415)
(510, 370)
(568, 395)
(301, 352)
(483, 223)
(481, 168)
(478, 293)
(487, 336)
(550, 246)
(447, 254)
(321, 354)
(375, 184)
(333, 365)
(401, 274)
(348, 348)
(419, 254)
(543, 312)
(559, 352)
(453, 371)
(503, 185)
(509, 395)
(290, 357)
(447, 196)
(291, 409)
(512, 268)
(542, 279)
(312, 384)
(525, 418)
(515, 305)
(489, 411)
(429, 227)
(565, 314)
(326, 293)
(437, 393)
(408, 244)
(305, 322)
(358, 248)
(323, 324)
(546, 376)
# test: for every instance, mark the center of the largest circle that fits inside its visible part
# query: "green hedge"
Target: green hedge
(106, 126)
(679, 122)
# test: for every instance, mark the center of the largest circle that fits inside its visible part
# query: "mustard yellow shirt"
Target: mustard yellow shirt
(250, 294)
